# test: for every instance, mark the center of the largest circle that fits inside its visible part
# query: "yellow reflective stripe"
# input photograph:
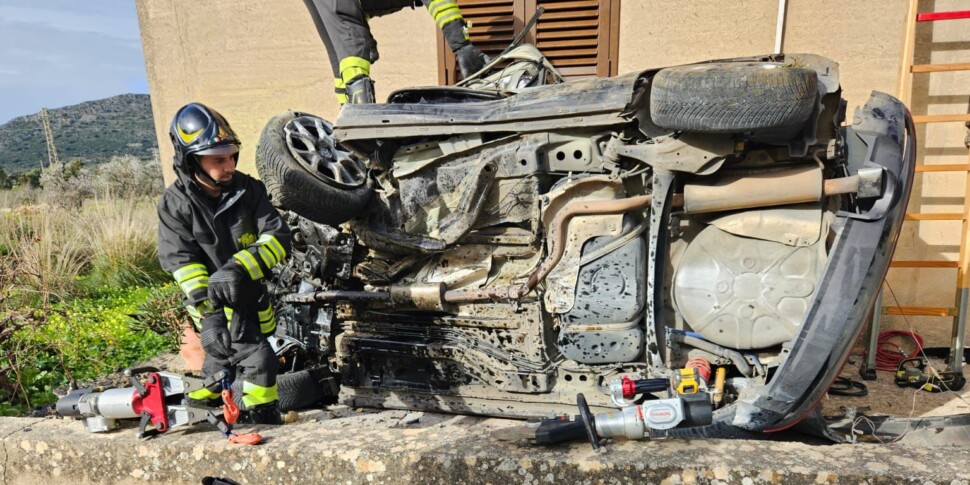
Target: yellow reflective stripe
(194, 284)
(187, 271)
(436, 6)
(340, 88)
(203, 394)
(275, 245)
(249, 262)
(254, 394)
(228, 311)
(268, 327)
(445, 19)
(205, 307)
(196, 316)
(194, 274)
(445, 11)
(351, 67)
(269, 259)
(270, 241)
(266, 314)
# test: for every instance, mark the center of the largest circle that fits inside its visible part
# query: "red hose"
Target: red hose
(889, 353)
(702, 365)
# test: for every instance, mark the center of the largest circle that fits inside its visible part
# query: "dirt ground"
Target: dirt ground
(885, 397)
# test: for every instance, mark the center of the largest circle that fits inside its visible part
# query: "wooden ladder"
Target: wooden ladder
(959, 311)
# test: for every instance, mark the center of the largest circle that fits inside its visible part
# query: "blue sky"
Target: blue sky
(56, 53)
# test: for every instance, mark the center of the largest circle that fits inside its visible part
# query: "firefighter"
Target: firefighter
(342, 25)
(219, 236)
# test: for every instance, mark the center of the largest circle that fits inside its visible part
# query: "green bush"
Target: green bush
(163, 314)
(81, 339)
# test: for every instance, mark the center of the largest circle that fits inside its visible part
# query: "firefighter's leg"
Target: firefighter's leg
(448, 18)
(267, 318)
(210, 396)
(342, 25)
(258, 373)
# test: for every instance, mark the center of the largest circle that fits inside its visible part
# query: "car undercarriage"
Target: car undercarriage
(499, 250)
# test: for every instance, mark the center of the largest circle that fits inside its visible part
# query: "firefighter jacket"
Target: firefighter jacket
(198, 234)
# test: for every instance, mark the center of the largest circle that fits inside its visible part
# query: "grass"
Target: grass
(81, 294)
(122, 237)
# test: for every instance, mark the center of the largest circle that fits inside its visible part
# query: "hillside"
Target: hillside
(93, 131)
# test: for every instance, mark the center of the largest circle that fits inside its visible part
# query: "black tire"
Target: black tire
(298, 390)
(293, 185)
(732, 97)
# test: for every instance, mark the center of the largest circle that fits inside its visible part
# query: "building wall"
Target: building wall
(252, 59)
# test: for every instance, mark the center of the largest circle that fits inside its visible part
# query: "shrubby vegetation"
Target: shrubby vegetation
(81, 292)
(93, 130)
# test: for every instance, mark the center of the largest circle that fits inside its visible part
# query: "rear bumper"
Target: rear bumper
(881, 136)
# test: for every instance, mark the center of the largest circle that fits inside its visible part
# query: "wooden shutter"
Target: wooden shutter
(580, 37)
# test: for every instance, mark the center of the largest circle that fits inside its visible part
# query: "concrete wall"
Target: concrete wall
(252, 59)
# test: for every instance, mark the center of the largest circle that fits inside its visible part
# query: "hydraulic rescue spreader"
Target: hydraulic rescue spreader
(689, 402)
(159, 403)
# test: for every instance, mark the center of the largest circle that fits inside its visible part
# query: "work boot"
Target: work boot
(360, 90)
(470, 60)
(268, 413)
(203, 403)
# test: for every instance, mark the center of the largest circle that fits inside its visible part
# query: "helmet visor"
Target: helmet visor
(220, 150)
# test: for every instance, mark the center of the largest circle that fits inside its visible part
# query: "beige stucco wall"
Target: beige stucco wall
(251, 59)
(864, 36)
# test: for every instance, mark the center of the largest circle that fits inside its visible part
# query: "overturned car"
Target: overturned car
(500, 248)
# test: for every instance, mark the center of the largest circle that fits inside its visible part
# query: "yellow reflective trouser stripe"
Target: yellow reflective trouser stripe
(447, 18)
(254, 395)
(196, 316)
(341, 89)
(267, 320)
(444, 11)
(436, 6)
(351, 67)
(249, 262)
(202, 394)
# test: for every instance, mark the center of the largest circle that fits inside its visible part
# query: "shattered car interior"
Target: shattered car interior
(683, 251)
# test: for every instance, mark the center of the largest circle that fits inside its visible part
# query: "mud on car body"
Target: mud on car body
(498, 248)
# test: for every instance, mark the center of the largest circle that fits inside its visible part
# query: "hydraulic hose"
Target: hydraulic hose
(715, 349)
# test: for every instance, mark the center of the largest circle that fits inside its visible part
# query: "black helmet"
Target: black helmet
(199, 130)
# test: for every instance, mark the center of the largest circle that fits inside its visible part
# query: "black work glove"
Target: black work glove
(215, 335)
(470, 60)
(230, 286)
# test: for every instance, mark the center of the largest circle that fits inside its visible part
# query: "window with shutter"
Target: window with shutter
(580, 37)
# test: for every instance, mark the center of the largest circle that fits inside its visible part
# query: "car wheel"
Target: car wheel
(297, 390)
(306, 172)
(732, 97)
